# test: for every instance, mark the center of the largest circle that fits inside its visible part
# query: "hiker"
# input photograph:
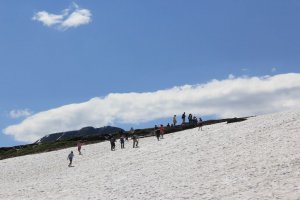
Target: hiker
(200, 123)
(168, 125)
(112, 143)
(157, 132)
(135, 140)
(183, 118)
(70, 158)
(190, 117)
(162, 131)
(174, 120)
(195, 121)
(122, 141)
(79, 144)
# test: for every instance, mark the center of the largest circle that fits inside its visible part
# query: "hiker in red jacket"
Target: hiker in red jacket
(79, 144)
(162, 131)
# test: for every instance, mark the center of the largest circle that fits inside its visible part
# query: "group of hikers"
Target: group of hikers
(192, 120)
(134, 138)
(159, 132)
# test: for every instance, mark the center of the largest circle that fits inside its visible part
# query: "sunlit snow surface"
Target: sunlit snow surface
(255, 159)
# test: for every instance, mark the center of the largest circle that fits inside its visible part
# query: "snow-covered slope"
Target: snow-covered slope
(255, 159)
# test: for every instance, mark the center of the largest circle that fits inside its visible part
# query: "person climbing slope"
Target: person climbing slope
(70, 158)
(122, 141)
(135, 140)
(112, 143)
(156, 132)
(79, 145)
(162, 131)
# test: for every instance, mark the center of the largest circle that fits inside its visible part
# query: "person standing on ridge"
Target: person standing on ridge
(190, 117)
(200, 123)
(70, 158)
(174, 120)
(183, 118)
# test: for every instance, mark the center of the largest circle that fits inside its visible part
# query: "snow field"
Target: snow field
(255, 159)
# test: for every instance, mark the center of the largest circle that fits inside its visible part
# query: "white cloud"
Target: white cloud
(71, 17)
(236, 97)
(77, 18)
(20, 113)
(273, 69)
(48, 19)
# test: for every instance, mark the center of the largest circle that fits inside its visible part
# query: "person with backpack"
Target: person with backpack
(70, 158)
(112, 143)
(183, 118)
(135, 140)
(122, 141)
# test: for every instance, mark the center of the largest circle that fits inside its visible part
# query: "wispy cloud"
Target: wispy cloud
(20, 113)
(235, 96)
(274, 69)
(70, 17)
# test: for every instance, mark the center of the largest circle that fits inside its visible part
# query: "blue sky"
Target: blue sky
(139, 47)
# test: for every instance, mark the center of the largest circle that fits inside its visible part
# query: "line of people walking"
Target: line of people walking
(159, 132)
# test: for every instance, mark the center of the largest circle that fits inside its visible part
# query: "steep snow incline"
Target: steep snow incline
(255, 159)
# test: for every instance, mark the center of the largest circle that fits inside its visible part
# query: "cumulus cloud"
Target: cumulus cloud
(20, 113)
(71, 17)
(232, 97)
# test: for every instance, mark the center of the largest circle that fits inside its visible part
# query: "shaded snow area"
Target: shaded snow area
(255, 159)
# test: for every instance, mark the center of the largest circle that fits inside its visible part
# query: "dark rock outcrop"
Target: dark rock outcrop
(85, 133)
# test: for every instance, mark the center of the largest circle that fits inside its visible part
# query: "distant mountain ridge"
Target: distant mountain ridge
(83, 133)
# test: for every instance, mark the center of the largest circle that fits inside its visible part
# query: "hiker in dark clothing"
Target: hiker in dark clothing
(190, 118)
(157, 132)
(122, 141)
(70, 158)
(183, 118)
(195, 121)
(135, 140)
(113, 143)
(200, 123)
